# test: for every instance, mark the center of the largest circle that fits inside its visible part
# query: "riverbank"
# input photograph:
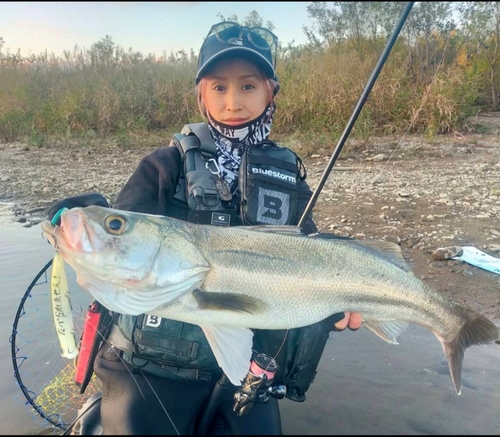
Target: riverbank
(422, 194)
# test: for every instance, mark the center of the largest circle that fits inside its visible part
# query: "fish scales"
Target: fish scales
(232, 280)
(332, 275)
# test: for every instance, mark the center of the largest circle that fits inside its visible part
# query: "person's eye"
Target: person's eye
(248, 87)
(218, 88)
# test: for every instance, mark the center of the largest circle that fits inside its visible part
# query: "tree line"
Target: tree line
(443, 68)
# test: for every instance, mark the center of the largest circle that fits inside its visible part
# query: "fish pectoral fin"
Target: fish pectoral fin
(232, 348)
(388, 331)
(391, 251)
(207, 300)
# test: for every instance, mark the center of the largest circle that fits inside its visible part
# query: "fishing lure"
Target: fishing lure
(61, 305)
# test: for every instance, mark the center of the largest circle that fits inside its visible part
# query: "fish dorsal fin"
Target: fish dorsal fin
(391, 251)
(275, 229)
(388, 331)
(328, 236)
(232, 348)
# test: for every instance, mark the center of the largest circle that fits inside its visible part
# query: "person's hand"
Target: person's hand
(351, 320)
(81, 200)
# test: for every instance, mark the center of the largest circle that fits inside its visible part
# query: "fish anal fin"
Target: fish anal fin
(388, 331)
(232, 348)
(227, 301)
(476, 330)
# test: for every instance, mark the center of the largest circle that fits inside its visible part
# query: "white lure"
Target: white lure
(61, 308)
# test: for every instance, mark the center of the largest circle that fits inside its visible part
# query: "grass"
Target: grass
(129, 97)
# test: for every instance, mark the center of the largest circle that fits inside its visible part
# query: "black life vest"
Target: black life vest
(267, 191)
(267, 194)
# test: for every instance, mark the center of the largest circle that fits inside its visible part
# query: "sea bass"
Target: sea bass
(229, 280)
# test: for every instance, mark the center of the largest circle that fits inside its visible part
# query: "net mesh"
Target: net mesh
(46, 379)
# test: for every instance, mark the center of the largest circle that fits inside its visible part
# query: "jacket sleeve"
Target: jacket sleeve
(305, 194)
(152, 185)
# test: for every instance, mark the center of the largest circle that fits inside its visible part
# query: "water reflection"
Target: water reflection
(36, 349)
(363, 385)
(22, 254)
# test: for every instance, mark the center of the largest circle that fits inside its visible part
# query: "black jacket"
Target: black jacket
(150, 190)
(154, 182)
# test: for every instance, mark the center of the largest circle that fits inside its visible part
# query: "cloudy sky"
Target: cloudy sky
(148, 27)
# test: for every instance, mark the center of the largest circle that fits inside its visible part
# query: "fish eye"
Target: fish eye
(115, 224)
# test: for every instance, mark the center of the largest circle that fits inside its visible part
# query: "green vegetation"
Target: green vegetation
(439, 72)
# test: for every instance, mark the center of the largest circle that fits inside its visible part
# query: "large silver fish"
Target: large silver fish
(230, 279)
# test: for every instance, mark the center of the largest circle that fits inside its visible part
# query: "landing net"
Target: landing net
(46, 379)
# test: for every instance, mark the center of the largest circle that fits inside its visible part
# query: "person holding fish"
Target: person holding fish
(158, 375)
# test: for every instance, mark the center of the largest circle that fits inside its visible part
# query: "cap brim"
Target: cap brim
(245, 52)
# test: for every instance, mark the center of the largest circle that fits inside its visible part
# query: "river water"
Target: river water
(363, 385)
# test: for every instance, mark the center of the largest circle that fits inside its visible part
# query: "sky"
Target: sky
(147, 27)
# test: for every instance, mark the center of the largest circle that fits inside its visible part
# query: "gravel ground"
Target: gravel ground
(423, 194)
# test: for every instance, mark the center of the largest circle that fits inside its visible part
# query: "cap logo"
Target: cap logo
(235, 41)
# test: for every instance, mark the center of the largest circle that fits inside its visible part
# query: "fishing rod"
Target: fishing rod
(222, 385)
(355, 114)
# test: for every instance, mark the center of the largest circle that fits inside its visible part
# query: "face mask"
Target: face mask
(232, 141)
(249, 133)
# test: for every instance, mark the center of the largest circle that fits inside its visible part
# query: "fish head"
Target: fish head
(110, 243)
(130, 262)
(110, 250)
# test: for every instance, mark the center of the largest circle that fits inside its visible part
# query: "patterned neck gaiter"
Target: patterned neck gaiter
(232, 141)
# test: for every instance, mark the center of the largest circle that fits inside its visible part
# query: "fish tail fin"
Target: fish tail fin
(476, 330)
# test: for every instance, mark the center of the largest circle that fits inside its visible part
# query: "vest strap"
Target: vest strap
(117, 339)
(163, 370)
(201, 130)
(178, 347)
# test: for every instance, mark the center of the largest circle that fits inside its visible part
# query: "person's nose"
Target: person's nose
(233, 101)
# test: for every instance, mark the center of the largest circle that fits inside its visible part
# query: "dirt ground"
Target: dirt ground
(423, 194)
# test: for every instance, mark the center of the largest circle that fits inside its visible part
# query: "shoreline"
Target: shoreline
(418, 193)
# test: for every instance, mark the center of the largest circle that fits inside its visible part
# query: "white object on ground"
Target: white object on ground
(474, 256)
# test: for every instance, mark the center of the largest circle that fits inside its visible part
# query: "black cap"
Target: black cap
(228, 44)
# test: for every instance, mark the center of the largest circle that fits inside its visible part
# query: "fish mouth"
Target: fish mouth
(80, 237)
(48, 233)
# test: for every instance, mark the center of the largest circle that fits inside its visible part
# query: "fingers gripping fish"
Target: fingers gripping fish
(229, 280)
